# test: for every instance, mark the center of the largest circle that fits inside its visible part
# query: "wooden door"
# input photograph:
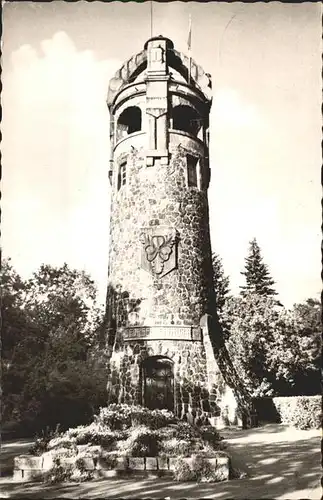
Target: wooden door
(158, 383)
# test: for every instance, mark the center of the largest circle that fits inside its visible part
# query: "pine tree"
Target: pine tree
(258, 279)
(220, 282)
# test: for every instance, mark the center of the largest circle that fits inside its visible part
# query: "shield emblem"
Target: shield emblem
(159, 250)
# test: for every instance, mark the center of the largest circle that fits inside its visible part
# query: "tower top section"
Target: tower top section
(159, 100)
(160, 61)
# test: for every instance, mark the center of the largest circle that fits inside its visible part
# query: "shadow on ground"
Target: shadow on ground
(281, 463)
(9, 450)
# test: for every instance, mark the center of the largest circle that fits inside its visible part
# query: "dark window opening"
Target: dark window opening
(110, 173)
(128, 122)
(122, 174)
(186, 119)
(207, 134)
(191, 170)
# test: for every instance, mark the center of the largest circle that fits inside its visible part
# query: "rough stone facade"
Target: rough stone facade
(158, 198)
(160, 271)
(191, 395)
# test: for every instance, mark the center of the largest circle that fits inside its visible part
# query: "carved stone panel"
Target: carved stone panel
(159, 250)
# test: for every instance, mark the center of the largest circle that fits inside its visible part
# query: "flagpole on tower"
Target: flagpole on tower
(151, 19)
(189, 45)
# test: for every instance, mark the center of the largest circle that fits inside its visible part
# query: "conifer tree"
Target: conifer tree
(258, 279)
(220, 282)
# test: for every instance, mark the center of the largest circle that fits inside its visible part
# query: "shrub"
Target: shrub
(93, 434)
(185, 431)
(38, 447)
(173, 446)
(41, 444)
(207, 450)
(68, 472)
(141, 442)
(185, 439)
(122, 416)
(166, 432)
(64, 452)
(61, 442)
(154, 419)
(75, 431)
(114, 416)
(211, 436)
(80, 475)
(58, 473)
(200, 470)
(302, 412)
(92, 451)
(181, 447)
(123, 430)
(182, 471)
(176, 448)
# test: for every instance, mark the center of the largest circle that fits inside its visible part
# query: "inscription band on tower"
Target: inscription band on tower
(163, 333)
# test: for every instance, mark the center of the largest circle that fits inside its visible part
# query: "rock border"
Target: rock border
(30, 468)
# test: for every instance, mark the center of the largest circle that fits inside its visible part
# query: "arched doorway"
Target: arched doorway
(158, 383)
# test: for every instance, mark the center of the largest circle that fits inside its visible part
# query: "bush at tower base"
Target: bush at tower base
(133, 433)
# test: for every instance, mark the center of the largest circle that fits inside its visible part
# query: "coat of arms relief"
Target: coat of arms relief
(159, 250)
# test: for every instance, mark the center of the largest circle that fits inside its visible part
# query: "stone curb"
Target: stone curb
(28, 468)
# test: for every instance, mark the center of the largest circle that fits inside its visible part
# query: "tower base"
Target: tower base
(182, 376)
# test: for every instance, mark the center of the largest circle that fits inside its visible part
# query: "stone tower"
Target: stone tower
(160, 273)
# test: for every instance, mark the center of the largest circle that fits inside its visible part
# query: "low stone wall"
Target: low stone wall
(29, 468)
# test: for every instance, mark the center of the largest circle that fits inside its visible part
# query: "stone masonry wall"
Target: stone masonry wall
(152, 197)
(190, 391)
(159, 196)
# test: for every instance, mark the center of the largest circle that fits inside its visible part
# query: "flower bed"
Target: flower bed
(126, 439)
(78, 468)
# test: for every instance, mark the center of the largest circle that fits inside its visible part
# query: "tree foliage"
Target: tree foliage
(49, 327)
(275, 351)
(258, 279)
(221, 282)
(299, 348)
(53, 332)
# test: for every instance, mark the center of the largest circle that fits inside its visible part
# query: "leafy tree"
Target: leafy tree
(275, 351)
(13, 318)
(59, 296)
(298, 349)
(249, 327)
(258, 279)
(50, 325)
(221, 282)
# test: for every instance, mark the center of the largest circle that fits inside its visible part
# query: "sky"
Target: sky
(265, 144)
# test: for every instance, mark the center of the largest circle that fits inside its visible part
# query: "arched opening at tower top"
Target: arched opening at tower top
(128, 122)
(186, 119)
(158, 383)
